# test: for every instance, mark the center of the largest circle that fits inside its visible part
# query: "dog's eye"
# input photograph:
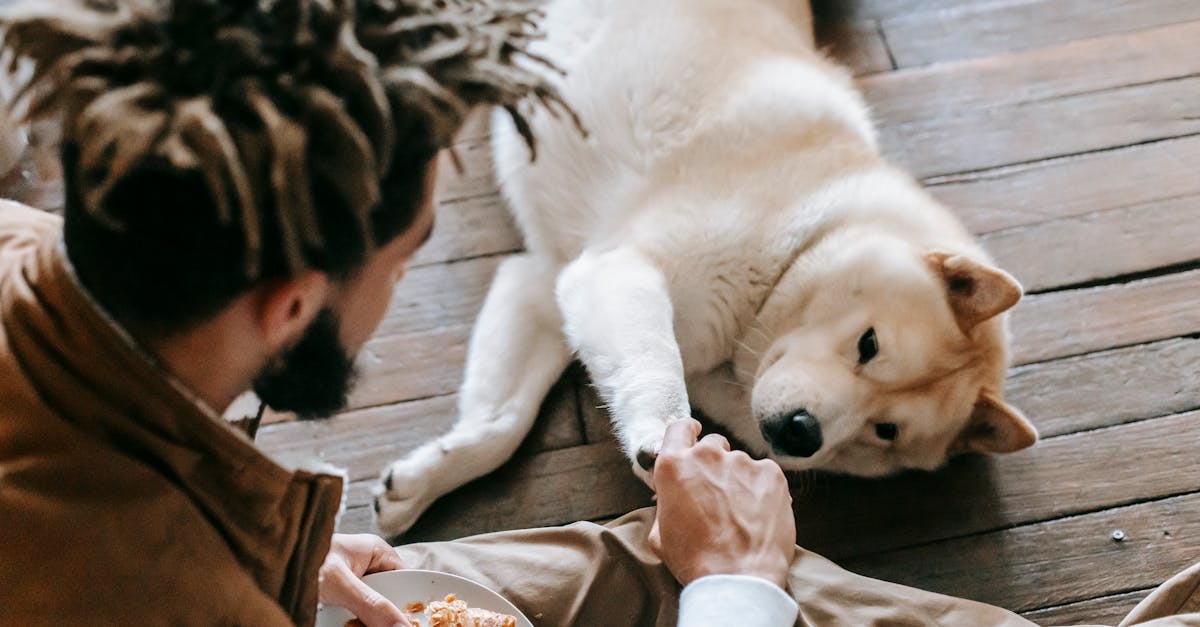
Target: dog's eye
(868, 346)
(887, 431)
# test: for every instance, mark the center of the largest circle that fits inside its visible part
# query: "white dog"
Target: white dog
(727, 239)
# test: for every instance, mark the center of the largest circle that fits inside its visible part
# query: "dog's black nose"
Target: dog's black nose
(798, 435)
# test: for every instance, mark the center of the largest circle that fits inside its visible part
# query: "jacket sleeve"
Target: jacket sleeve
(735, 600)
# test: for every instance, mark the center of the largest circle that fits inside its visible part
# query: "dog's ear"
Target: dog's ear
(976, 291)
(995, 427)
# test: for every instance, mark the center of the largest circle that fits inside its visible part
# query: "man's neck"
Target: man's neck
(215, 359)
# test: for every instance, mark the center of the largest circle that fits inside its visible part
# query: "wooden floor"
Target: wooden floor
(1068, 137)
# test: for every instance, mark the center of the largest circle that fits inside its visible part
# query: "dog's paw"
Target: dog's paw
(643, 443)
(646, 456)
(405, 492)
(646, 475)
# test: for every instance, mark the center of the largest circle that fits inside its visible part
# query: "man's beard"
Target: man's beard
(313, 377)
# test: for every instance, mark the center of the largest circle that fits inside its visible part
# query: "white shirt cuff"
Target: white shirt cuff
(736, 600)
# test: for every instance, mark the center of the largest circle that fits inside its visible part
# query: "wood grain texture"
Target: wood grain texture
(857, 44)
(559, 424)
(1061, 476)
(548, 488)
(1072, 68)
(1108, 388)
(1072, 322)
(364, 441)
(435, 296)
(1106, 610)
(981, 29)
(978, 139)
(407, 366)
(467, 228)
(361, 441)
(1072, 186)
(535, 490)
(477, 177)
(1055, 562)
(1100, 245)
(874, 9)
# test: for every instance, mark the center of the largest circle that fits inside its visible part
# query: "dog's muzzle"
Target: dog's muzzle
(796, 435)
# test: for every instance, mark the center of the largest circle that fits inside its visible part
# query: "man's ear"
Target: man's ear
(995, 427)
(976, 291)
(286, 308)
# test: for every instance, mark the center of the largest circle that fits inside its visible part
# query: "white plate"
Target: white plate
(408, 586)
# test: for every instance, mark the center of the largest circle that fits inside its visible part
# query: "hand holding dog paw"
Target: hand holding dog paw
(720, 512)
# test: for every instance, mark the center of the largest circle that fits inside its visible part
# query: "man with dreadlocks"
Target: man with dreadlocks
(245, 180)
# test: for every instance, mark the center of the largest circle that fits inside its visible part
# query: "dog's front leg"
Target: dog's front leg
(517, 351)
(619, 318)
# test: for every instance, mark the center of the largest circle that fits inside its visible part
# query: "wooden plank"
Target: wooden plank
(397, 368)
(357, 520)
(1108, 388)
(477, 177)
(978, 139)
(1106, 610)
(558, 425)
(1100, 245)
(979, 29)
(1058, 324)
(1060, 188)
(550, 488)
(435, 296)
(1054, 562)
(469, 227)
(403, 368)
(364, 441)
(557, 429)
(858, 45)
(875, 9)
(844, 517)
(1072, 68)
(597, 425)
(360, 441)
(476, 128)
(590, 478)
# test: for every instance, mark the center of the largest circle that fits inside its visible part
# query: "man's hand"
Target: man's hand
(720, 512)
(350, 557)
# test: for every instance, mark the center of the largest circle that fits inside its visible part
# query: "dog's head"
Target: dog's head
(892, 357)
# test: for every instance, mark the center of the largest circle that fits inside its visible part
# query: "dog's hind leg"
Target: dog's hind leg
(620, 319)
(517, 352)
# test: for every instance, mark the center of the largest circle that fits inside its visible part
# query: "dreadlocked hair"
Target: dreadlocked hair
(210, 144)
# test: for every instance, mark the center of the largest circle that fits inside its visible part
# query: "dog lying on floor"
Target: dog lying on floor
(729, 239)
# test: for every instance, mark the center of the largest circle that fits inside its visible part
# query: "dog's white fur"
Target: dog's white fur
(722, 240)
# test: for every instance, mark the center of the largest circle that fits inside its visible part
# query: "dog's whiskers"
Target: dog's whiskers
(738, 384)
(747, 348)
(757, 327)
(747, 375)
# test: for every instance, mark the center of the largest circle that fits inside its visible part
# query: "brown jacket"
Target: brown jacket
(123, 501)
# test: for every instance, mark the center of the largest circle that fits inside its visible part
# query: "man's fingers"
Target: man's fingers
(717, 440)
(384, 558)
(655, 539)
(373, 609)
(680, 436)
